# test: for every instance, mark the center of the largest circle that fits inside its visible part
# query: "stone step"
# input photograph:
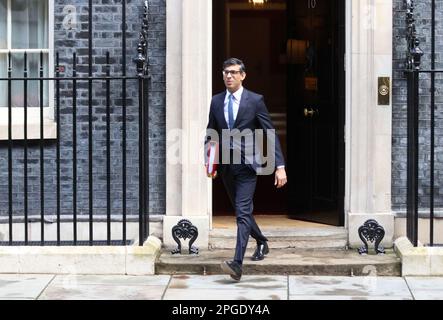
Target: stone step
(326, 238)
(285, 261)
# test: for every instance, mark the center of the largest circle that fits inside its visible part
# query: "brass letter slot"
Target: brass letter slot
(384, 90)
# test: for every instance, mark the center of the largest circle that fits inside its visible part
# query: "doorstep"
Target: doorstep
(289, 261)
(328, 238)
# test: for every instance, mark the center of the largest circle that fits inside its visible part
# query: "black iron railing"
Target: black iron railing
(75, 81)
(415, 77)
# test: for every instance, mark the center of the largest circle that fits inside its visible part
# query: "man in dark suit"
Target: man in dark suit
(236, 116)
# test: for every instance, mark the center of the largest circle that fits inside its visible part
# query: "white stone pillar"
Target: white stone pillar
(173, 107)
(196, 97)
(189, 91)
(369, 184)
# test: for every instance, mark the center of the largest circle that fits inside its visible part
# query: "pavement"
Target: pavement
(217, 287)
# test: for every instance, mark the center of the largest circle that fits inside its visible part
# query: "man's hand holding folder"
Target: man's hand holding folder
(212, 159)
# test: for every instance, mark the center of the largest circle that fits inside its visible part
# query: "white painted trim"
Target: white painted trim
(348, 109)
(23, 50)
(8, 24)
(33, 117)
(51, 57)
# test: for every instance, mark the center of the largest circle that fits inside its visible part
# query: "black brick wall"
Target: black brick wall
(399, 137)
(107, 36)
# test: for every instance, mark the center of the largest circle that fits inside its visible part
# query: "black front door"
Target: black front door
(315, 115)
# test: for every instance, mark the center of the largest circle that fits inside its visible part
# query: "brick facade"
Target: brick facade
(107, 36)
(399, 112)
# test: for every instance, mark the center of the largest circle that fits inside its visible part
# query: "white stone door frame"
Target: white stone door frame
(368, 125)
(188, 95)
(367, 130)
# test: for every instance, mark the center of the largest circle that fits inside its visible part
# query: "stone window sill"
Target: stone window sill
(33, 125)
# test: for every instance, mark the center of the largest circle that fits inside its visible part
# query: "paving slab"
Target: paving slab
(425, 283)
(222, 287)
(370, 286)
(102, 292)
(106, 287)
(336, 297)
(16, 286)
(225, 282)
(426, 288)
(111, 280)
(225, 294)
(427, 295)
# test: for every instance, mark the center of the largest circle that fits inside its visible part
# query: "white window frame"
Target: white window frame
(33, 123)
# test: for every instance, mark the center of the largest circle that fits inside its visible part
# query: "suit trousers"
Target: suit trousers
(240, 181)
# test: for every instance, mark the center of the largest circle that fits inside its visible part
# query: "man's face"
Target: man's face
(233, 77)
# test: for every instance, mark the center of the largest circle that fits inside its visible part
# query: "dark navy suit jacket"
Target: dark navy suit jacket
(252, 114)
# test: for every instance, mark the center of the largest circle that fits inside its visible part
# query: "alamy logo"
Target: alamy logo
(252, 147)
(70, 18)
(369, 273)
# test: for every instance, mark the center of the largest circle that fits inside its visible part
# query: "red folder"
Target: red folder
(212, 160)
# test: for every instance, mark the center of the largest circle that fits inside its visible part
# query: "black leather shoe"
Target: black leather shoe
(232, 268)
(261, 250)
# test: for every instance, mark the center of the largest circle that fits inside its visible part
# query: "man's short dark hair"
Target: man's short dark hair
(234, 61)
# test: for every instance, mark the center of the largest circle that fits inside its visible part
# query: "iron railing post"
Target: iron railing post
(142, 73)
(124, 104)
(42, 158)
(432, 120)
(414, 54)
(57, 94)
(25, 137)
(10, 199)
(90, 129)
